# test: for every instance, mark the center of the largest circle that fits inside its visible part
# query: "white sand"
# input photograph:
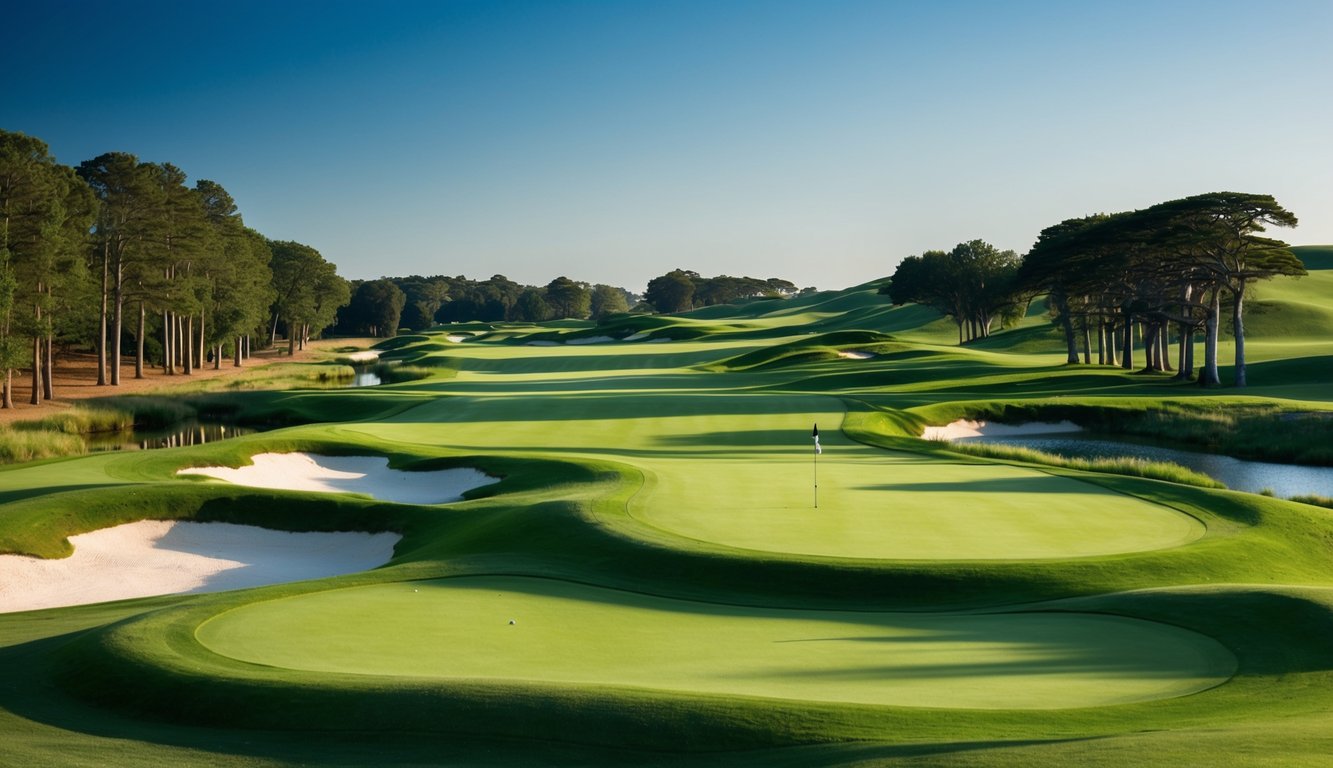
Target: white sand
(156, 557)
(854, 355)
(457, 337)
(965, 428)
(369, 475)
(591, 340)
(637, 336)
(364, 356)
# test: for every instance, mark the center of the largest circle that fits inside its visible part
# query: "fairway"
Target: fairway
(578, 634)
(738, 469)
(640, 573)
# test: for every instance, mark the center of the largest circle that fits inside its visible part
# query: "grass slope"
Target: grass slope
(677, 599)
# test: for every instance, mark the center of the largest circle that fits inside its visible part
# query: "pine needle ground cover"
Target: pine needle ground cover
(676, 596)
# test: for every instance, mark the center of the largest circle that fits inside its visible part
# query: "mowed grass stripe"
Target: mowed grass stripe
(739, 470)
(583, 635)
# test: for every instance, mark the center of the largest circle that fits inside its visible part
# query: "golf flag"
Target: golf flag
(815, 435)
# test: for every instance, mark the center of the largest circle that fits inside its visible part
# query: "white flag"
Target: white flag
(815, 434)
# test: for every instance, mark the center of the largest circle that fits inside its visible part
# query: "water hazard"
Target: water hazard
(1285, 480)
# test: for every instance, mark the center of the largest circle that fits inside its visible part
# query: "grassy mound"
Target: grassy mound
(677, 597)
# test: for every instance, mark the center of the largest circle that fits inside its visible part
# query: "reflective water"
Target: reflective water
(1284, 480)
(188, 433)
(365, 377)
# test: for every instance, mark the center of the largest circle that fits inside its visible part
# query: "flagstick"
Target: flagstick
(816, 479)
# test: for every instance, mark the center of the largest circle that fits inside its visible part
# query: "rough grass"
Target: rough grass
(1154, 470)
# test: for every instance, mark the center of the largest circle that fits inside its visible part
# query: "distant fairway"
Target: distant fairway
(577, 634)
(738, 470)
(676, 597)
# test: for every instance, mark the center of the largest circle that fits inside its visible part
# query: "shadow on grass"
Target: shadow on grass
(1037, 484)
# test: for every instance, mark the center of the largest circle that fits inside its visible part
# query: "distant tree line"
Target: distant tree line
(380, 307)
(121, 253)
(681, 290)
(1112, 278)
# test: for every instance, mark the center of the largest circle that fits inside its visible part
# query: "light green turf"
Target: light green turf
(739, 470)
(638, 469)
(576, 634)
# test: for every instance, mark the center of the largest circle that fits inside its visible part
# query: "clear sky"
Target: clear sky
(818, 141)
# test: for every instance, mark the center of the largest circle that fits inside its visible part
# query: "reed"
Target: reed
(27, 445)
(1153, 470)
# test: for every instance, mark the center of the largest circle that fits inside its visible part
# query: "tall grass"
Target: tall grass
(1243, 430)
(1154, 470)
(25, 445)
(1315, 500)
(112, 415)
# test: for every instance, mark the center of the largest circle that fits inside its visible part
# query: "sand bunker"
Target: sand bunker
(457, 338)
(591, 340)
(158, 557)
(637, 336)
(965, 428)
(854, 355)
(369, 475)
(364, 356)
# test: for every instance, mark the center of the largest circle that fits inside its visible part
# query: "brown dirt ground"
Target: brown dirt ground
(76, 377)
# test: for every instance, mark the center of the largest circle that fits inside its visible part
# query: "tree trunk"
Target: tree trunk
(1149, 339)
(167, 366)
(1237, 302)
(1071, 345)
(1087, 343)
(36, 396)
(139, 342)
(101, 314)
(291, 338)
(187, 345)
(1112, 357)
(8, 396)
(1187, 370)
(1208, 376)
(1165, 345)
(217, 357)
(48, 370)
(240, 345)
(118, 325)
(1127, 351)
(199, 361)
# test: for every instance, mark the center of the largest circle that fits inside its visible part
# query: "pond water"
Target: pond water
(192, 432)
(1284, 480)
(365, 377)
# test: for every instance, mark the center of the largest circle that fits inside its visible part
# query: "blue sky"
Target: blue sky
(614, 141)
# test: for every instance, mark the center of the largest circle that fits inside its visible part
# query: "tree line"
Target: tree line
(120, 252)
(1159, 274)
(380, 307)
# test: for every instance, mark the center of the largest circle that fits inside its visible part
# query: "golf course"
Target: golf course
(617, 543)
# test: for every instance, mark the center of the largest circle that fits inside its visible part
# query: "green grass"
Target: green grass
(511, 628)
(678, 599)
(1156, 470)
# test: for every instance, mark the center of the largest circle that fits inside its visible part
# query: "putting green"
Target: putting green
(738, 470)
(577, 634)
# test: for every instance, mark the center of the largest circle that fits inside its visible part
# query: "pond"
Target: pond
(1284, 480)
(192, 432)
(365, 377)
